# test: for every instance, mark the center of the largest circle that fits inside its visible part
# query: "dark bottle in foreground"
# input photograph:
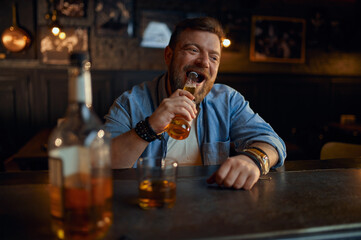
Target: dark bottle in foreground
(80, 177)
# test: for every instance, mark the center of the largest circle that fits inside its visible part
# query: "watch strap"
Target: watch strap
(261, 157)
(145, 131)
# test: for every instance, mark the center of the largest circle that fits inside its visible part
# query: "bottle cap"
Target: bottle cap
(191, 80)
(193, 76)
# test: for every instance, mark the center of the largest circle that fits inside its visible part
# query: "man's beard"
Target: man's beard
(177, 82)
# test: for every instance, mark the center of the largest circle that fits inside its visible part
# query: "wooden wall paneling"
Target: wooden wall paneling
(115, 84)
(132, 78)
(295, 102)
(249, 86)
(39, 105)
(119, 85)
(55, 95)
(102, 83)
(15, 113)
(298, 113)
(125, 80)
(346, 97)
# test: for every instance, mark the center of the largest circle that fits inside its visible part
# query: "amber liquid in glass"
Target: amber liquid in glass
(179, 128)
(87, 214)
(157, 194)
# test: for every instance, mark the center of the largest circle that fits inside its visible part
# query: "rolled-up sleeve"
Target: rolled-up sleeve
(117, 121)
(247, 127)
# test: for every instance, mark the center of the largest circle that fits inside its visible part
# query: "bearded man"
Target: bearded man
(220, 117)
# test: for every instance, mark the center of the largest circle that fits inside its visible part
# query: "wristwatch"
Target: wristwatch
(261, 157)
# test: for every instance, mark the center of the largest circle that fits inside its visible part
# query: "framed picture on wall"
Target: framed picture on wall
(277, 39)
(56, 49)
(114, 18)
(71, 8)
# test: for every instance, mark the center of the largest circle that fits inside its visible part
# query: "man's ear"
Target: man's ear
(168, 53)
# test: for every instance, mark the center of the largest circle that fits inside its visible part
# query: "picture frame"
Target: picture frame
(54, 50)
(71, 8)
(114, 18)
(277, 39)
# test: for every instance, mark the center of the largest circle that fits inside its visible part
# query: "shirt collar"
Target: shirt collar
(162, 90)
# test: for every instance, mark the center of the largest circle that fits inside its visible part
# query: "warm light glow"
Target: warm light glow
(58, 142)
(226, 42)
(87, 66)
(62, 35)
(55, 31)
(61, 234)
(7, 38)
(101, 133)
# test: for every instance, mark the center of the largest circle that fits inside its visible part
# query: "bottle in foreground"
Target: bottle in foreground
(179, 128)
(79, 164)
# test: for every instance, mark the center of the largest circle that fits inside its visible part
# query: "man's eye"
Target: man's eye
(214, 59)
(193, 50)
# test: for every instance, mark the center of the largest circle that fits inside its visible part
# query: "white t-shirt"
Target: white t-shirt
(185, 152)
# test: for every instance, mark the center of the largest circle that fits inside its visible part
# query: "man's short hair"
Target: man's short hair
(207, 24)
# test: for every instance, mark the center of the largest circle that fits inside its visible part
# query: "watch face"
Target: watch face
(266, 163)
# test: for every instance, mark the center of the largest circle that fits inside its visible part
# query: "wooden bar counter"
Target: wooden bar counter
(296, 202)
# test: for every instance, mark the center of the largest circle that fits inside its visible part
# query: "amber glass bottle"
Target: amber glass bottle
(179, 128)
(80, 179)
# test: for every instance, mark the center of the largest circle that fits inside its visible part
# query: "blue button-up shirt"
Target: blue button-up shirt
(224, 117)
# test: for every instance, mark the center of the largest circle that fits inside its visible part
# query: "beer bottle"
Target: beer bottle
(179, 128)
(80, 176)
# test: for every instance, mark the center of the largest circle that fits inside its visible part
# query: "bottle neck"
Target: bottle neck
(80, 86)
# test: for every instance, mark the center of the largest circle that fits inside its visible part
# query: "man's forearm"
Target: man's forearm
(126, 149)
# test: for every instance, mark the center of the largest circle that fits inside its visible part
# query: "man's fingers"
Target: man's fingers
(221, 173)
(251, 180)
(241, 181)
(181, 105)
(181, 92)
(175, 105)
(232, 176)
(212, 178)
(236, 172)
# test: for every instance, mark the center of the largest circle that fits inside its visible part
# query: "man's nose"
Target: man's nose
(203, 61)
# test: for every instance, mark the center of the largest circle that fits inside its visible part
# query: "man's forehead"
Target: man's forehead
(190, 36)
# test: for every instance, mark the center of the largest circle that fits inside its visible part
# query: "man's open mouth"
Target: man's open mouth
(200, 77)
